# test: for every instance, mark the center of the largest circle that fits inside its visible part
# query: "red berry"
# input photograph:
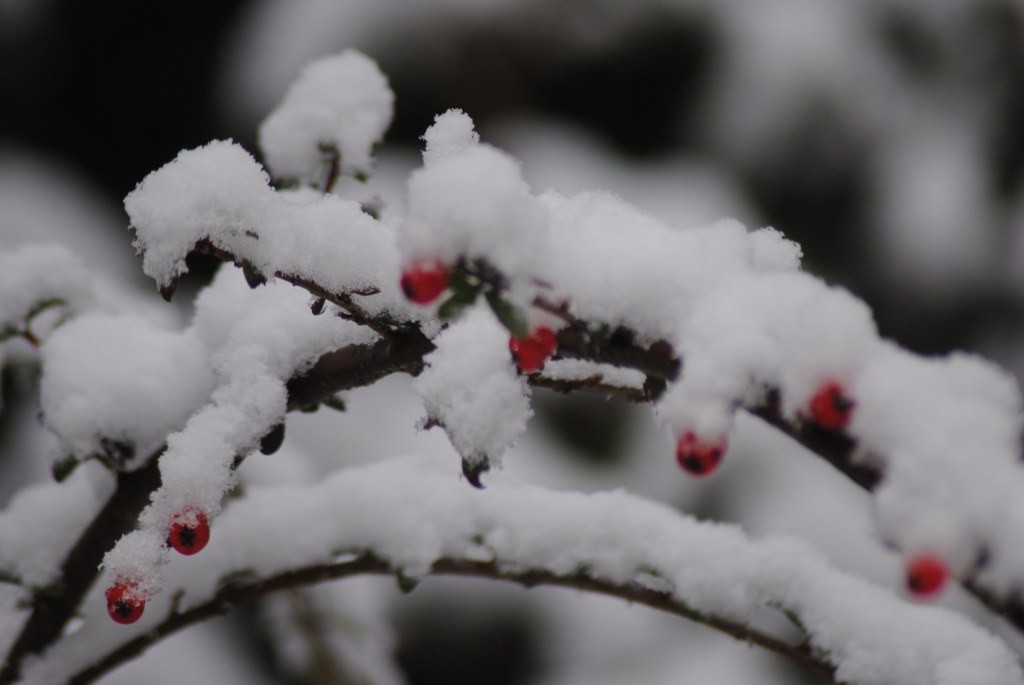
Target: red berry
(926, 576)
(124, 604)
(699, 458)
(423, 282)
(831, 408)
(531, 352)
(190, 531)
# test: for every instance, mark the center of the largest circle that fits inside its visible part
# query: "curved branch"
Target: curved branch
(366, 563)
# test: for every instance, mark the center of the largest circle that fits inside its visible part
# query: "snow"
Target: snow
(31, 275)
(451, 133)
(34, 553)
(216, 189)
(341, 102)
(576, 369)
(136, 561)
(412, 512)
(473, 203)
(959, 422)
(257, 340)
(613, 263)
(219, 193)
(471, 386)
(120, 378)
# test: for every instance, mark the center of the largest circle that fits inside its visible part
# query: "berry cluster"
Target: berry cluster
(424, 281)
(188, 533)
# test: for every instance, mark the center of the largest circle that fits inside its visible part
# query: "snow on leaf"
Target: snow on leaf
(121, 379)
(216, 189)
(33, 276)
(473, 203)
(341, 103)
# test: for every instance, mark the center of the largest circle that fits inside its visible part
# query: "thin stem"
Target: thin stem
(594, 383)
(354, 312)
(368, 563)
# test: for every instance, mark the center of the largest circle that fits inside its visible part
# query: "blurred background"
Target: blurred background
(883, 135)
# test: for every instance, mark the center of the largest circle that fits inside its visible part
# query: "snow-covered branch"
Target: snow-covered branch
(236, 594)
(482, 290)
(376, 520)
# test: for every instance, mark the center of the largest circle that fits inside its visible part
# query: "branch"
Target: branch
(52, 611)
(356, 366)
(836, 448)
(594, 383)
(343, 300)
(345, 368)
(368, 563)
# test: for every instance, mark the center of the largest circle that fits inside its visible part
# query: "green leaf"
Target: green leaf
(405, 583)
(9, 577)
(460, 299)
(335, 402)
(64, 467)
(508, 314)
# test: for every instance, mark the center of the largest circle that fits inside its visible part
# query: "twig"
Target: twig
(51, 611)
(594, 383)
(354, 312)
(368, 563)
(345, 368)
